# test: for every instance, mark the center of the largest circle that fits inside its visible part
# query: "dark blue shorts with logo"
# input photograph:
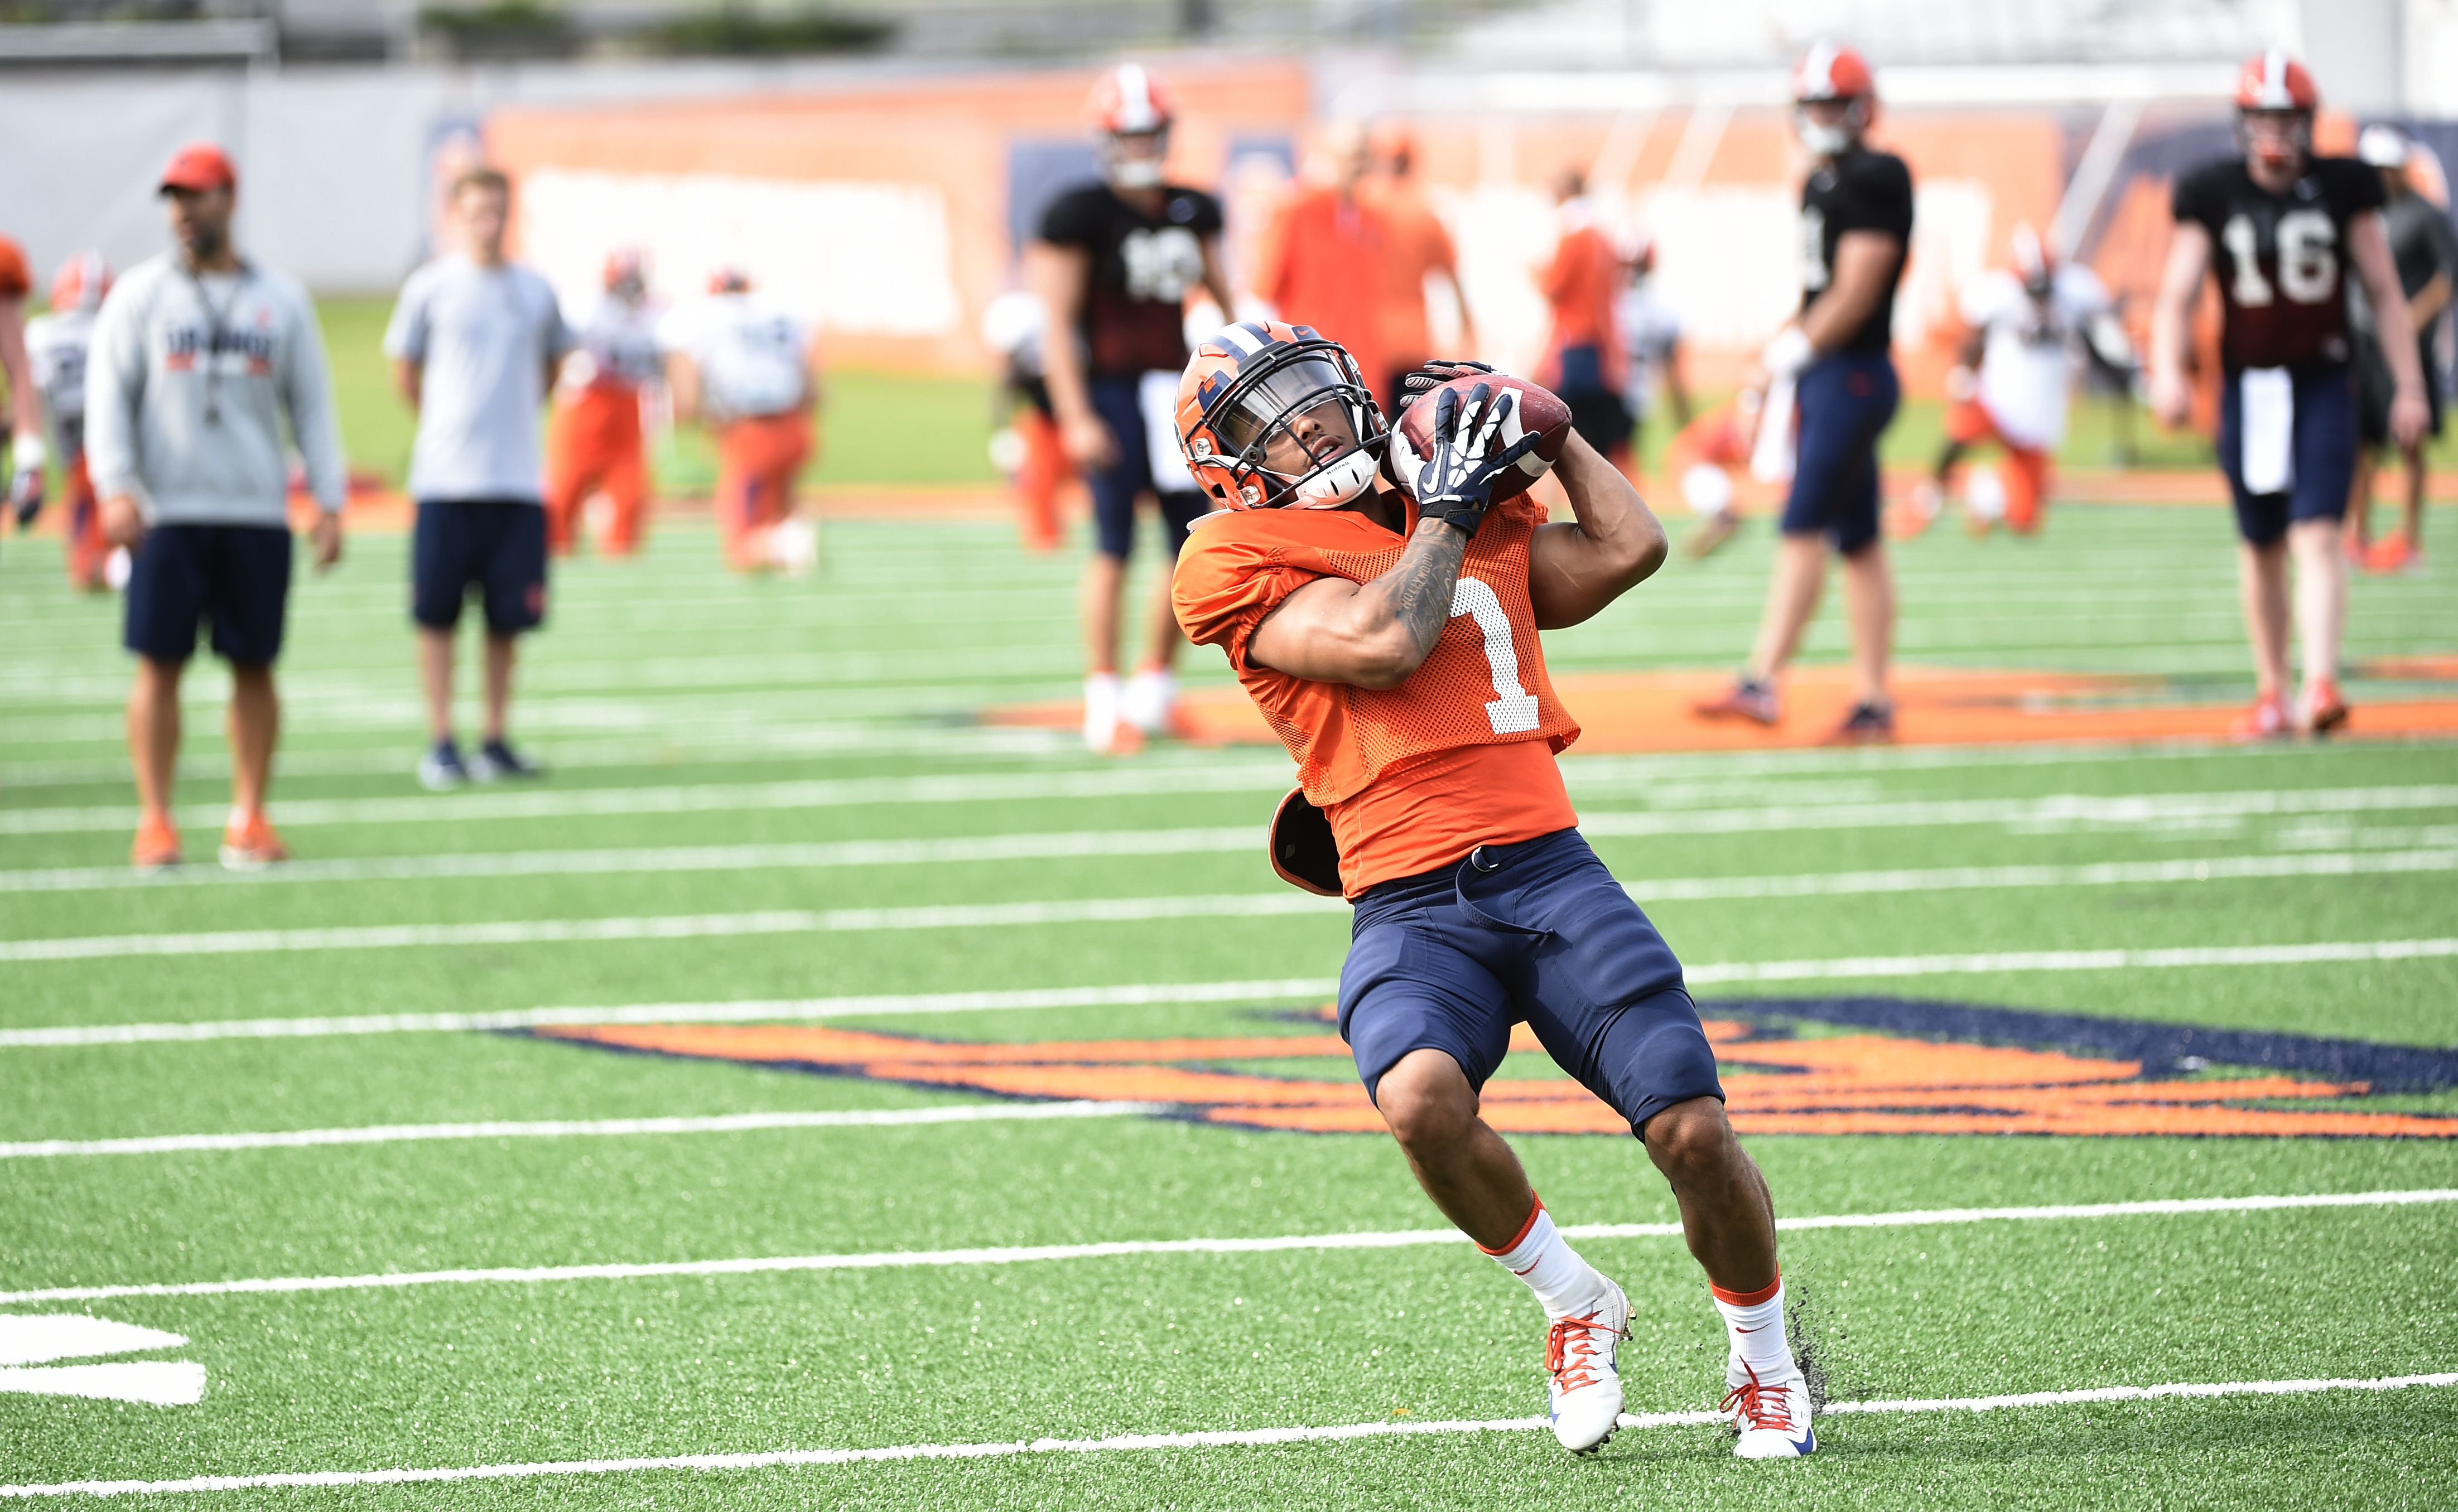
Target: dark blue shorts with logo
(1539, 932)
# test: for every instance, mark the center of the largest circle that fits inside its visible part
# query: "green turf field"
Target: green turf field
(769, 798)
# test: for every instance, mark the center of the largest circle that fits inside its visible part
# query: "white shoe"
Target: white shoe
(1101, 699)
(794, 546)
(1771, 1417)
(1148, 701)
(1585, 1396)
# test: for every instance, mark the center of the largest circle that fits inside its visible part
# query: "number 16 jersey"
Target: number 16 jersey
(1412, 778)
(2282, 259)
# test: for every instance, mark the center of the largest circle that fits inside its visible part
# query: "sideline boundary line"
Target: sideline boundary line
(1833, 970)
(1025, 1255)
(577, 1127)
(1248, 1437)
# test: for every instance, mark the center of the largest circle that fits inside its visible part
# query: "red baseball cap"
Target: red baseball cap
(199, 165)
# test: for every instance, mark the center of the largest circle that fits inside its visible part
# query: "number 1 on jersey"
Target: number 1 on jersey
(1513, 708)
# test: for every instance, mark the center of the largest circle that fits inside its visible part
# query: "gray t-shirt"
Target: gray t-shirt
(484, 337)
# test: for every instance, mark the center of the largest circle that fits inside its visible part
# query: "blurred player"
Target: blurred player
(200, 360)
(1027, 450)
(23, 429)
(57, 346)
(476, 342)
(1391, 639)
(1704, 459)
(1114, 263)
(1651, 344)
(1417, 248)
(1583, 355)
(1322, 258)
(593, 441)
(2425, 251)
(1856, 221)
(2027, 330)
(2276, 225)
(749, 372)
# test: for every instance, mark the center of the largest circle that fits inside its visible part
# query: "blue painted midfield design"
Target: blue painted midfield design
(2163, 1049)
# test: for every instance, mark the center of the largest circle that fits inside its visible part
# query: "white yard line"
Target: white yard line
(1281, 990)
(2050, 811)
(1133, 1443)
(1066, 844)
(1038, 1254)
(1317, 988)
(575, 1127)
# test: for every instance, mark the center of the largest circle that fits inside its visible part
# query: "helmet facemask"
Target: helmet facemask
(1303, 431)
(2279, 140)
(1830, 138)
(1126, 169)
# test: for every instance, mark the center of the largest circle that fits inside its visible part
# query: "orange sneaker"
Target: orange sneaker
(2391, 553)
(158, 844)
(251, 845)
(2266, 720)
(2325, 710)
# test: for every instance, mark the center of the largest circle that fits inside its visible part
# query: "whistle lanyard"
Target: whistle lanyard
(218, 329)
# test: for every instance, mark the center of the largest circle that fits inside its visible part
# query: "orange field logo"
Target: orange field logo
(1778, 1081)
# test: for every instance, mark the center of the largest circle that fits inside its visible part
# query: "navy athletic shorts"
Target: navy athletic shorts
(1538, 931)
(1598, 412)
(2326, 425)
(1114, 489)
(236, 577)
(1844, 403)
(495, 545)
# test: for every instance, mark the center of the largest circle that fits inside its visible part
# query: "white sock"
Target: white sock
(1147, 699)
(1100, 709)
(1540, 1257)
(1753, 1325)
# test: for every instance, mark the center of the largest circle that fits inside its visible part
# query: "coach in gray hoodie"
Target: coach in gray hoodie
(197, 356)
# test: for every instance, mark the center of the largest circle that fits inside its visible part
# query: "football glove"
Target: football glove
(26, 484)
(1436, 372)
(1455, 485)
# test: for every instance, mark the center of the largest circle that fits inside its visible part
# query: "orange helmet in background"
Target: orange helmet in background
(627, 271)
(2275, 101)
(1127, 102)
(1829, 72)
(81, 282)
(1276, 416)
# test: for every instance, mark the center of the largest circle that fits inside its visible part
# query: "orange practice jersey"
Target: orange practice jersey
(1412, 777)
(1580, 284)
(1419, 245)
(1322, 267)
(16, 281)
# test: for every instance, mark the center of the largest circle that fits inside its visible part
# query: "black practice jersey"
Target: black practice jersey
(1134, 318)
(2282, 259)
(1861, 191)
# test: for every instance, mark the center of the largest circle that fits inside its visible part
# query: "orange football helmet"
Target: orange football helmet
(81, 282)
(1829, 73)
(2275, 101)
(627, 271)
(1274, 415)
(1127, 102)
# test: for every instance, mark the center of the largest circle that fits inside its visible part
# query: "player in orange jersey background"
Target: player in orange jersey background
(1417, 246)
(593, 441)
(56, 344)
(1390, 637)
(24, 431)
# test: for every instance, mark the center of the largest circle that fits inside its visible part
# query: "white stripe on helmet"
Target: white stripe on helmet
(1818, 71)
(1245, 338)
(1136, 112)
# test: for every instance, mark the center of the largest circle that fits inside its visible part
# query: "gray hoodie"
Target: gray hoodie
(187, 384)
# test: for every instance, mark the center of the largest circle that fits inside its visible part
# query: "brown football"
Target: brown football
(1533, 411)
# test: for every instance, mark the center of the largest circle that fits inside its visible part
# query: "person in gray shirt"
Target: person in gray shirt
(198, 356)
(475, 342)
(2424, 246)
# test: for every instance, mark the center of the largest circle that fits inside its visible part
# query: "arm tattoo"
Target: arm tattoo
(1418, 591)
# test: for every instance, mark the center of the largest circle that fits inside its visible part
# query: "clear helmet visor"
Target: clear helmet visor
(1304, 424)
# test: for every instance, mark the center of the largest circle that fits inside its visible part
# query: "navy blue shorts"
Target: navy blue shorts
(2327, 430)
(1538, 931)
(496, 546)
(235, 576)
(1598, 412)
(1116, 489)
(1844, 403)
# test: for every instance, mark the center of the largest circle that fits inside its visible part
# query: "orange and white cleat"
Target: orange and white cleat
(158, 844)
(2324, 709)
(250, 845)
(2391, 553)
(1585, 1396)
(2266, 720)
(1771, 1417)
